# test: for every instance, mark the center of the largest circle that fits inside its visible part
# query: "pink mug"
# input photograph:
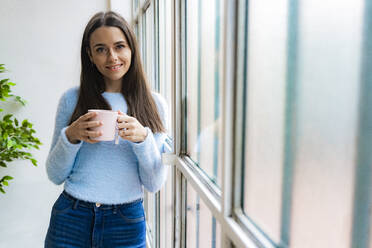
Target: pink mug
(109, 124)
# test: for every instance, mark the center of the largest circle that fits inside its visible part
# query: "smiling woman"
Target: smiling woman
(111, 55)
(101, 205)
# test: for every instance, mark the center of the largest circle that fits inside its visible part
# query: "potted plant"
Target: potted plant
(16, 137)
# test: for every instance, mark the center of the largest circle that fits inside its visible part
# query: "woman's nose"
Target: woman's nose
(112, 55)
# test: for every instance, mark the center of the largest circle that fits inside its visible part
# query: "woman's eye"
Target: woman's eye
(100, 50)
(120, 46)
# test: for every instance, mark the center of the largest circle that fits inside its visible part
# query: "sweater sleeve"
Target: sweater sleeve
(151, 170)
(62, 153)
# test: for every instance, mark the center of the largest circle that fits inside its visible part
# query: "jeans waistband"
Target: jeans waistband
(86, 204)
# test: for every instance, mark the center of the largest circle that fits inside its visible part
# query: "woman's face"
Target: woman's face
(110, 52)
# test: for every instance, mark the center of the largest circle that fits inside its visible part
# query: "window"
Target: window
(271, 122)
(136, 31)
(166, 212)
(202, 229)
(263, 105)
(164, 58)
(203, 84)
(298, 121)
(154, 36)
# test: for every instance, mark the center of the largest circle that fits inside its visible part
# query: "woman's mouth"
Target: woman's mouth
(114, 67)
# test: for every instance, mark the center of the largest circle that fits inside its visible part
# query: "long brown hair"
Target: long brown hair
(135, 89)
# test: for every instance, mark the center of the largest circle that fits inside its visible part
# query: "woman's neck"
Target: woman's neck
(113, 86)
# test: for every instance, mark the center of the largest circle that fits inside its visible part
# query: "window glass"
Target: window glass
(147, 48)
(327, 122)
(150, 44)
(136, 31)
(320, 126)
(136, 5)
(204, 53)
(202, 229)
(165, 56)
(151, 215)
(166, 213)
(144, 42)
(265, 81)
(164, 85)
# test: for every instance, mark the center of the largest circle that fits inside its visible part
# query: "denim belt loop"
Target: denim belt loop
(75, 204)
(115, 209)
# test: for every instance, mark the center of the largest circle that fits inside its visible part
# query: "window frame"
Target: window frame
(236, 229)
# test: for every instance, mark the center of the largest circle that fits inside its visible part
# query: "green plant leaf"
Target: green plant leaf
(7, 117)
(16, 136)
(20, 100)
(34, 162)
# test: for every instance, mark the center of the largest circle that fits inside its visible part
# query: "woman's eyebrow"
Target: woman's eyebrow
(99, 44)
(119, 42)
(116, 43)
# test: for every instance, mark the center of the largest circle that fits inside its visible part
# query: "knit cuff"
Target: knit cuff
(148, 143)
(67, 144)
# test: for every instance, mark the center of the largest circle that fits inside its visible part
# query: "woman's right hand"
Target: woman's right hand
(79, 129)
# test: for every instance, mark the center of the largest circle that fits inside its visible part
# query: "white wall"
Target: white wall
(40, 43)
(123, 7)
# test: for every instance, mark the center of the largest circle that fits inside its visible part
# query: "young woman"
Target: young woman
(101, 205)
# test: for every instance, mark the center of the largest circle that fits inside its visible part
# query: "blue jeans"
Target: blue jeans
(79, 224)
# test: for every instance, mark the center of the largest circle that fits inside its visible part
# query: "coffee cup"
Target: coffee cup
(108, 128)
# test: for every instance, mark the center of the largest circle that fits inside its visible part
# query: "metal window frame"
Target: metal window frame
(220, 207)
(242, 219)
(230, 229)
(156, 75)
(254, 233)
(135, 9)
(152, 236)
(145, 6)
(221, 203)
(179, 196)
(361, 226)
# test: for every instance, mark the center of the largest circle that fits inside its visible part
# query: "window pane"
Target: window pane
(144, 42)
(136, 31)
(150, 44)
(165, 55)
(165, 70)
(327, 106)
(166, 213)
(136, 5)
(150, 215)
(202, 229)
(149, 67)
(264, 121)
(204, 73)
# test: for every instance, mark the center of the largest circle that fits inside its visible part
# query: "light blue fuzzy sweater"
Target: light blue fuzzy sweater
(105, 172)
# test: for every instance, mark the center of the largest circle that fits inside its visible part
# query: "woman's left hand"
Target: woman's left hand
(130, 128)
